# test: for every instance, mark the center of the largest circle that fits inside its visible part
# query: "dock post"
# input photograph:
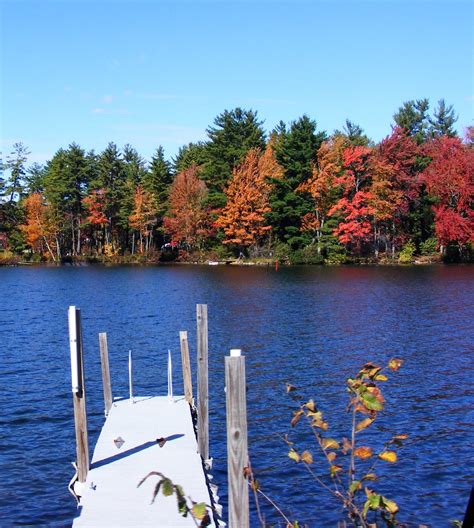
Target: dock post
(104, 361)
(203, 384)
(187, 379)
(130, 377)
(78, 393)
(237, 449)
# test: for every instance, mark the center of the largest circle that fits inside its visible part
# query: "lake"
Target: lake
(311, 326)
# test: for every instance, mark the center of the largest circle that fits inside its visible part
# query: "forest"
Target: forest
(297, 195)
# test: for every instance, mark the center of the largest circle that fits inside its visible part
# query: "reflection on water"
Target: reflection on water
(311, 326)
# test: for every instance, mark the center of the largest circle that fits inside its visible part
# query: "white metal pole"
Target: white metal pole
(73, 349)
(130, 379)
(170, 377)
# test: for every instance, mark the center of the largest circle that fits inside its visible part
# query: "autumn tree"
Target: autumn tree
(449, 179)
(322, 186)
(95, 205)
(39, 229)
(354, 229)
(143, 217)
(243, 218)
(187, 220)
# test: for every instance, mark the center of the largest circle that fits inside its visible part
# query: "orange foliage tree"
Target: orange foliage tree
(322, 185)
(95, 204)
(143, 217)
(188, 220)
(243, 217)
(39, 229)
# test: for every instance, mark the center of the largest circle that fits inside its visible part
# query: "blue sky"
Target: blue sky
(155, 73)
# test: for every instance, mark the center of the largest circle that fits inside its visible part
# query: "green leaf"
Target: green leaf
(167, 487)
(355, 486)
(199, 510)
(371, 402)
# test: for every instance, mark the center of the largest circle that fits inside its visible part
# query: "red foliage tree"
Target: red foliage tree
(449, 179)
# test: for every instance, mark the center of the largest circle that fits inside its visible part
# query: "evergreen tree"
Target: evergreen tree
(413, 117)
(34, 178)
(65, 182)
(443, 121)
(234, 133)
(16, 166)
(296, 151)
(354, 134)
(157, 181)
(190, 154)
(111, 176)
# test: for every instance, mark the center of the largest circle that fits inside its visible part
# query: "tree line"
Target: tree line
(296, 193)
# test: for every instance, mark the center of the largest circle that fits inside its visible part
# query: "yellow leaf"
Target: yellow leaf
(363, 424)
(370, 476)
(331, 456)
(329, 443)
(199, 510)
(363, 452)
(335, 469)
(390, 505)
(290, 387)
(294, 455)
(395, 363)
(388, 456)
(306, 457)
(310, 405)
(381, 377)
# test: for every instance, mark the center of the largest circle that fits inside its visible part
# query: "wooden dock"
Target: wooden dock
(110, 495)
(151, 464)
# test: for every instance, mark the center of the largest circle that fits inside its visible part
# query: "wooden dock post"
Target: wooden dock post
(187, 379)
(237, 449)
(78, 392)
(130, 376)
(104, 361)
(202, 380)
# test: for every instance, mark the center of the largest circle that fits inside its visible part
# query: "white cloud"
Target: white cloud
(108, 99)
(98, 110)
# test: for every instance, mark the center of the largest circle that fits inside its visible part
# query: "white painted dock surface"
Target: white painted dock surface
(111, 497)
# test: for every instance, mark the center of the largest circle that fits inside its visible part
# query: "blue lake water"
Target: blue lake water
(313, 327)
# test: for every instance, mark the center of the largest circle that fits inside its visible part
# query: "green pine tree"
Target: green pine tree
(296, 151)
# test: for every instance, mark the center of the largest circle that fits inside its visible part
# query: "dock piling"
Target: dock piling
(187, 379)
(78, 393)
(170, 377)
(202, 380)
(237, 448)
(104, 361)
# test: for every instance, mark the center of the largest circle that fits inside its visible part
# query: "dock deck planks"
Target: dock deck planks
(111, 497)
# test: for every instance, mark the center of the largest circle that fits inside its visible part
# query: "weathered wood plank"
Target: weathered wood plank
(237, 449)
(202, 380)
(104, 361)
(78, 393)
(187, 378)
